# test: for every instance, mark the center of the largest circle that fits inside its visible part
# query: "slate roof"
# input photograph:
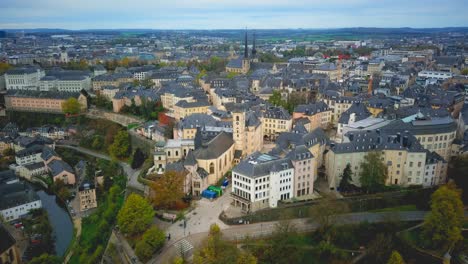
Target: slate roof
(258, 164)
(423, 127)
(235, 63)
(287, 139)
(48, 153)
(365, 141)
(358, 109)
(16, 194)
(197, 120)
(300, 153)
(275, 112)
(35, 149)
(58, 166)
(312, 109)
(215, 147)
(7, 240)
(6, 176)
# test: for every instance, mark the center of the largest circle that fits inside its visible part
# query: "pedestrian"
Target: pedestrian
(169, 237)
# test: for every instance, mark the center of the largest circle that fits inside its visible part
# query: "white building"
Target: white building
(16, 200)
(435, 75)
(65, 83)
(261, 180)
(29, 155)
(23, 78)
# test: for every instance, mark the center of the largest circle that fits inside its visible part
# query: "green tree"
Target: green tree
(231, 75)
(152, 240)
(277, 99)
(138, 159)
(120, 148)
(396, 258)
(345, 183)
(135, 215)
(464, 71)
(4, 67)
(444, 223)
(98, 142)
(71, 106)
(374, 172)
(46, 259)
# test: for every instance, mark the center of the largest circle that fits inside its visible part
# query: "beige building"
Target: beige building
(116, 80)
(304, 171)
(87, 195)
(338, 104)
(60, 170)
(404, 157)
(183, 108)
(275, 120)
(319, 114)
(35, 101)
(329, 69)
(9, 252)
(247, 133)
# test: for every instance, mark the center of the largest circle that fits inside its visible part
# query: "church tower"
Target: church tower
(245, 60)
(254, 49)
(238, 120)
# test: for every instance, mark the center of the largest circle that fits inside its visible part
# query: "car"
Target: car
(35, 241)
(18, 225)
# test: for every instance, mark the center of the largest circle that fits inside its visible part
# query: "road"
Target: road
(132, 175)
(302, 225)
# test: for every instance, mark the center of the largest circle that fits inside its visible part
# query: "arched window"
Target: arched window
(212, 167)
(237, 118)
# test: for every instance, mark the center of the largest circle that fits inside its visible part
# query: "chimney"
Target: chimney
(405, 141)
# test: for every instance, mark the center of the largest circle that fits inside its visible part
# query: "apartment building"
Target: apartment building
(319, 114)
(26, 78)
(247, 132)
(275, 120)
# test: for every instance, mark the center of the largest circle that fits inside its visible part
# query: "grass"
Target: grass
(415, 239)
(409, 207)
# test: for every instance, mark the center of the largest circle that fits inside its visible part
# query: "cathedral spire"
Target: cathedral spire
(246, 49)
(254, 50)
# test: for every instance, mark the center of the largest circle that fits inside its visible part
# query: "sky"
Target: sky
(222, 14)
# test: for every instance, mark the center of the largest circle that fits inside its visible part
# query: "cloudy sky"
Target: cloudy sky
(222, 14)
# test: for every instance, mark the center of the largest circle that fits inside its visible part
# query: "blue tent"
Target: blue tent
(209, 194)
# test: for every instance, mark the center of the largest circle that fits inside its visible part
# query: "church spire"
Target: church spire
(254, 50)
(246, 49)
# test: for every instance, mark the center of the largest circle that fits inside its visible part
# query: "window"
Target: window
(211, 167)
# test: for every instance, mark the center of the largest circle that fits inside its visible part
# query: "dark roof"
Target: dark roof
(358, 109)
(311, 109)
(35, 149)
(58, 166)
(423, 127)
(16, 194)
(258, 164)
(215, 147)
(7, 175)
(7, 240)
(365, 141)
(277, 113)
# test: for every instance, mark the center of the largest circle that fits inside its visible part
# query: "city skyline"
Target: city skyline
(208, 14)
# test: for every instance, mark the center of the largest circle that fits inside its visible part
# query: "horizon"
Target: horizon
(224, 15)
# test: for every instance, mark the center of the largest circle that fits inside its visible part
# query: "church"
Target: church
(241, 65)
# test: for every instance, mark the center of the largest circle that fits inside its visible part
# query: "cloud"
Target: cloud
(206, 14)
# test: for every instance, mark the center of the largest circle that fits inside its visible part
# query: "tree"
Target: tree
(374, 172)
(152, 240)
(345, 183)
(231, 75)
(276, 99)
(138, 158)
(216, 250)
(135, 215)
(282, 247)
(444, 223)
(246, 258)
(396, 258)
(120, 148)
(324, 212)
(457, 171)
(464, 71)
(125, 62)
(167, 189)
(46, 259)
(380, 248)
(71, 106)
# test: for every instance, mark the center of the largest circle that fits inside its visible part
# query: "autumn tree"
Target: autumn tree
(444, 222)
(135, 215)
(152, 240)
(120, 148)
(71, 106)
(167, 189)
(374, 172)
(216, 250)
(396, 258)
(345, 183)
(46, 259)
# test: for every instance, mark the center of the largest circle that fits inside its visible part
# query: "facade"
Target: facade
(65, 83)
(29, 155)
(16, 200)
(247, 133)
(183, 108)
(9, 252)
(23, 78)
(134, 95)
(275, 120)
(304, 174)
(36, 101)
(115, 79)
(338, 105)
(261, 181)
(87, 196)
(404, 157)
(60, 170)
(319, 114)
